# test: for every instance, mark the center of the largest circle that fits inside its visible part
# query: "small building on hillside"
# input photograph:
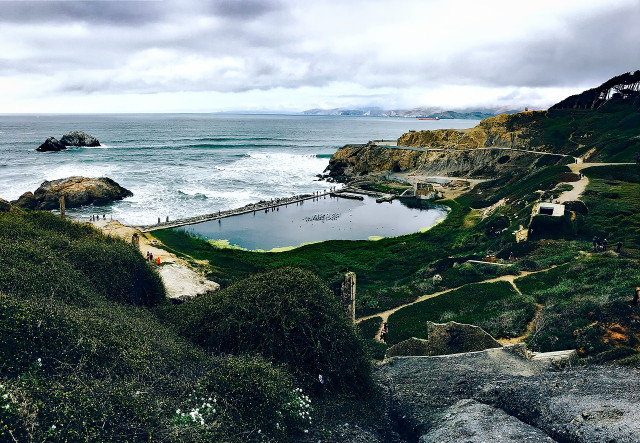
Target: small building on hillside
(424, 191)
(552, 209)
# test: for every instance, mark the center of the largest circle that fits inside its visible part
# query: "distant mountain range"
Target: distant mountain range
(425, 112)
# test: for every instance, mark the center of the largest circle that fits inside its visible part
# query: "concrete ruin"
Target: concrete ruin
(424, 191)
(552, 209)
(444, 339)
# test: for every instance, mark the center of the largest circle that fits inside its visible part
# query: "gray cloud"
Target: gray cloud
(246, 9)
(586, 51)
(120, 13)
(242, 45)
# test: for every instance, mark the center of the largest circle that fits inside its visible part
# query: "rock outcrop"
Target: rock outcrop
(356, 160)
(79, 138)
(444, 339)
(77, 191)
(51, 144)
(516, 131)
(5, 206)
(27, 201)
(432, 396)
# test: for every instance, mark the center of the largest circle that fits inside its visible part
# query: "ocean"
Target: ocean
(183, 165)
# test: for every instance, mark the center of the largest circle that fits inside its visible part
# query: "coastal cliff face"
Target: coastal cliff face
(517, 131)
(356, 160)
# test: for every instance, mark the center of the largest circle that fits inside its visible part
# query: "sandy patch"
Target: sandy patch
(181, 279)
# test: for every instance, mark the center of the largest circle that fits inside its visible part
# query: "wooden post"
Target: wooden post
(62, 208)
(349, 295)
(135, 240)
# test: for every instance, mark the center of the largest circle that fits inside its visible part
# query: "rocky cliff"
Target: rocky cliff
(496, 395)
(77, 191)
(356, 160)
(517, 131)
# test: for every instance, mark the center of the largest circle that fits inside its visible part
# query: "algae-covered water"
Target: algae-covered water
(326, 218)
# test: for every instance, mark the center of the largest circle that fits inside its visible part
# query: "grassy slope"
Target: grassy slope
(496, 307)
(581, 300)
(612, 130)
(613, 199)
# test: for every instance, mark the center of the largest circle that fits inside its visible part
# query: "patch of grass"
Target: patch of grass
(495, 307)
(368, 329)
(516, 186)
(42, 254)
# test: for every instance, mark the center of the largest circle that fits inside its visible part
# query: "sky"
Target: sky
(290, 55)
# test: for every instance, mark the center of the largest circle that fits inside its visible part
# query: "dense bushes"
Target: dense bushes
(44, 255)
(287, 315)
(79, 362)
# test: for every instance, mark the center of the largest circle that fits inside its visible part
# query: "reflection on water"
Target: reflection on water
(322, 219)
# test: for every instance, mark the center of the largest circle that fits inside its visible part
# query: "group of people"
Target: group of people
(96, 217)
(601, 245)
(150, 257)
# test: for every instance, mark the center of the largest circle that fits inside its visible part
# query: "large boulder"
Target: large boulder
(27, 201)
(77, 191)
(51, 144)
(79, 138)
(445, 338)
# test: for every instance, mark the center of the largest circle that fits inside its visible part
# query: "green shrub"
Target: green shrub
(244, 397)
(42, 254)
(287, 315)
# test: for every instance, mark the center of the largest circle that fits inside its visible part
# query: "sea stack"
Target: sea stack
(79, 138)
(77, 191)
(51, 144)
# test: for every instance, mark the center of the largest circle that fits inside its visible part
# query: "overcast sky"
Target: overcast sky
(291, 55)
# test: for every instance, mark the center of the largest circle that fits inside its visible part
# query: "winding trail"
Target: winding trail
(508, 278)
(581, 185)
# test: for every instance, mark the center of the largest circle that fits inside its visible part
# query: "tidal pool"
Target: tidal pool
(325, 218)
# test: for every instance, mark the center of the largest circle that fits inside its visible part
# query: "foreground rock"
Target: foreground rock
(478, 395)
(445, 338)
(79, 138)
(51, 144)
(77, 191)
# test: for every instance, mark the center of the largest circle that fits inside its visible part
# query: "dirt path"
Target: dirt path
(180, 279)
(581, 185)
(530, 328)
(508, 278)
